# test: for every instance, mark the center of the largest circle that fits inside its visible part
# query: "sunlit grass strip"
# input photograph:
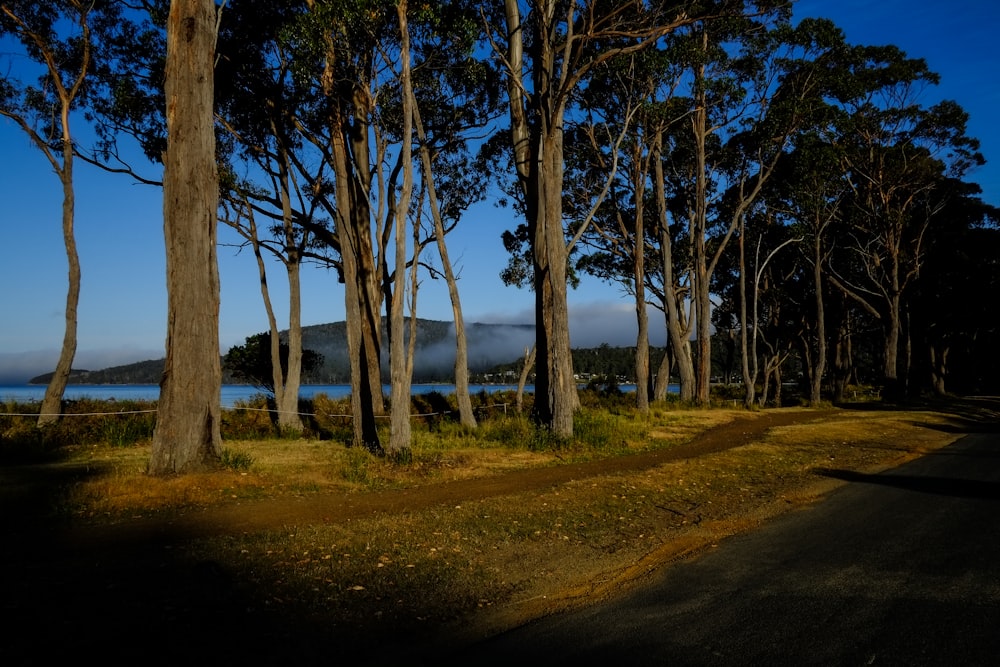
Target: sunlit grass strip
(403, 573)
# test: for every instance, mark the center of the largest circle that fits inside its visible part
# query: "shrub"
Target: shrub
(361, 468)
(24, 442)
(514, 430)
(248, 420)
(331, 418)
(236, 459)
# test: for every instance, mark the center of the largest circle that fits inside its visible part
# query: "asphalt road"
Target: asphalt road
(898, 568)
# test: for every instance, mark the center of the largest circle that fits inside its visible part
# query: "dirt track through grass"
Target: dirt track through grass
(329, 508)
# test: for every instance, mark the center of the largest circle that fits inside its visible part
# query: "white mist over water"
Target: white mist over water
(591, 325)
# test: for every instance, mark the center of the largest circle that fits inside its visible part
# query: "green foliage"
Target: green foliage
(21, 441)
(434, 406)
(251, 362)
(126, 430)
(331, 417)
(596, 428)
(361, 468)
(608, 429)
(84, 422)
(248, 420)
(512, 430)
(236, 459)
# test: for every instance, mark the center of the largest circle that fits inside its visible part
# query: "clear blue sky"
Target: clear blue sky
(119, 225)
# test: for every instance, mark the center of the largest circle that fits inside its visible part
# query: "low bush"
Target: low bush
(249, 420)
(237, 460)
(330, 418)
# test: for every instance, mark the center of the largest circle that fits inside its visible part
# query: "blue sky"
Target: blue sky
(122, 314)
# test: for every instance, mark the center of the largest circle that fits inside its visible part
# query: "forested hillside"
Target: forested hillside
(490, 345)
(497, 356)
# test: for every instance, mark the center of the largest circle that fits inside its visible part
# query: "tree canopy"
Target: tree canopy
(753, 178)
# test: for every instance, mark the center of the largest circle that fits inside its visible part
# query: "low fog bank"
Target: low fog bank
(494, 338)
(502, 339)
(594, 324)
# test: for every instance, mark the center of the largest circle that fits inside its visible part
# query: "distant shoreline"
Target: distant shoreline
(231, 393)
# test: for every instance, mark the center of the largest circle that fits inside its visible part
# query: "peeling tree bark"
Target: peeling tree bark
(187, 436)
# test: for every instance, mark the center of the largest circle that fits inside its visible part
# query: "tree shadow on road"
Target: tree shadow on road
(945, 486)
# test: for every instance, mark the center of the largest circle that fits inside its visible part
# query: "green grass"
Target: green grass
(236, 459)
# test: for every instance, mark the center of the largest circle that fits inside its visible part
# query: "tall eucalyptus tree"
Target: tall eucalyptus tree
(267, 175)
(549, 49)
(788, 81)
(894, 153)
(401, 359)
(808, 193)
(187, 436)
(57, 38)
(720, 157)
(954, 335)
(623, 236)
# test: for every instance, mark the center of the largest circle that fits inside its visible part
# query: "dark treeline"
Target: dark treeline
(783, 199)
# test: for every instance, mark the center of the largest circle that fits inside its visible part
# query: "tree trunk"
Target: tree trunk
(703, 315)
(289, 421)
(286, 383)
(187, 436)
(642, 317)
(362, 315)
(277, 377)
(890, 370)
(538, 151)
(678, 336)
(529, 362)
(842, 360)
(819, 367)
(399, 421)
(777, 385)
(699, 230)
(661, 382)
(558, 394)
(939, 368)
(51, 406)
(287, 404)
(465, 413)
(749, 378)
(642, 356)
(766, 386)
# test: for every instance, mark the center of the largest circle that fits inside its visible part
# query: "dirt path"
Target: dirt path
(327, 508)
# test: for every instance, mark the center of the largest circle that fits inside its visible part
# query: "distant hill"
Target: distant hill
(141, 372)
(490, 345)
(45, 378)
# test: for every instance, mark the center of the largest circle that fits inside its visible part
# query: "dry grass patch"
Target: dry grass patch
(503, 559)
(277, 468)
(873, 436)
(676, 427)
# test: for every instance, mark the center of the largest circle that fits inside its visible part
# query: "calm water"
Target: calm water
(230, 392)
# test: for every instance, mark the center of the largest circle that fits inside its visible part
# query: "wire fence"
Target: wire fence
(245, 409)
(74, 414)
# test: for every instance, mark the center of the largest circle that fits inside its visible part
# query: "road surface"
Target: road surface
(898, 568)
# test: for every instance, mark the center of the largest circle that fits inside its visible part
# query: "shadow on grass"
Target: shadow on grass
(132, 593)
